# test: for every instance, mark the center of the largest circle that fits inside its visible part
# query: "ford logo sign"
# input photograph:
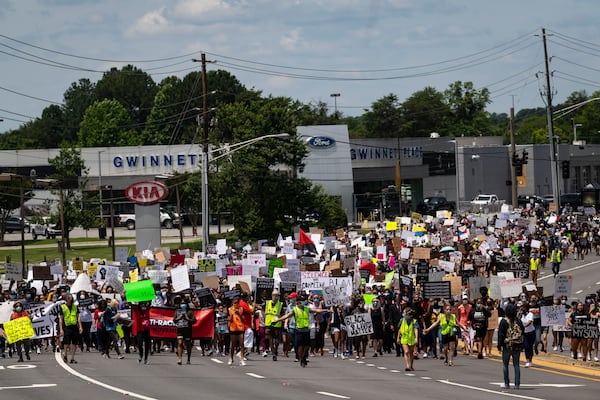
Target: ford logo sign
(321, 142)
(146, 192)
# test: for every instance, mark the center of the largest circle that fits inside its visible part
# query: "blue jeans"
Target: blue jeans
(506, 355)
(528, 342)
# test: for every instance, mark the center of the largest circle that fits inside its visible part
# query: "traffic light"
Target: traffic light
(515, 159)
(525, 155)
(566, 169)
(519, 170)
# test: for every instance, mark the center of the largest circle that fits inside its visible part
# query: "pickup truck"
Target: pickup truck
(167, 220)
(49, 231)
(430, 205)
(485, 199)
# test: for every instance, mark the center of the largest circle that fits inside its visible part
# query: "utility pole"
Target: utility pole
(513, 156)
(553, 149)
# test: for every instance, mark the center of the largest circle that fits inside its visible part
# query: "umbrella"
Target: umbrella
(446, 249)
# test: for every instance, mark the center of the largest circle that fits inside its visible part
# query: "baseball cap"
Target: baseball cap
(292, 295)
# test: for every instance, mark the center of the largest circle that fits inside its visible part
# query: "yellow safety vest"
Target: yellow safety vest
(272, 312)
(302, 317)
(556, 256)
(69, 316)
(446, 326)
(407, 333)
(534, 263)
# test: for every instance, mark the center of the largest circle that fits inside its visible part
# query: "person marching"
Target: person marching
(408, 332)
(21, 345)
(556, 258)
(510, 344)
(70, 328)
(449, 327)
(534, 264)
(184, 318)
(141, 329)
(301, 313)
(273, 310)
(236, 330)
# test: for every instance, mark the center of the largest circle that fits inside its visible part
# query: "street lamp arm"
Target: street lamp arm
(228, 149)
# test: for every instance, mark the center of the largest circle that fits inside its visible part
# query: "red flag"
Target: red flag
(306, 242)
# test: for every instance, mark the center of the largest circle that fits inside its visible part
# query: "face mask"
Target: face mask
(523, 298)
(144, 308)
(13, 297)
(19, 309)
(305, 303)
(183, 306)
(465, 302)
(479, 306)
(28, 296)
(564, 302)
(408, 319)
(82, 297)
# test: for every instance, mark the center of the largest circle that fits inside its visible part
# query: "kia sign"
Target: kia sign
(147, 192)
(321, 142)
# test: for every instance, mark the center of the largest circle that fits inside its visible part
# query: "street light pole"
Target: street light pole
(575, 131)
(335, 96)
(457, 181)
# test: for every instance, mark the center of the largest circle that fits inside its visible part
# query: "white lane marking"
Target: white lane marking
(216, 360)
(370, 365)
(255, 375)
(381, 368)
(70, 370)
(394, 370)
(579, 291)
(33, 386)
(427, 378)
(17, 366)
(360, 362)
(555, 385)
(409, 374)
(489, 391)
(598, 283)
(337, 396)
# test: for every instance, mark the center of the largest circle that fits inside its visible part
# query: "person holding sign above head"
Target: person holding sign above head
(301, 313)
(408, 333)
(273, 310)
(21, 345)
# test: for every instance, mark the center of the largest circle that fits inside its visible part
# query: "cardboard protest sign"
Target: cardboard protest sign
(139, 291)
(207, 265)
(511, 287)
(421, 253)
(18, 329)
(563, 285)
(553, 315)
(205, 297)
(335, 295)
(14, 271)
(475, 283)
(585, 327)
(493, 320)
(358, 324)
(455, 284)
(42, 273)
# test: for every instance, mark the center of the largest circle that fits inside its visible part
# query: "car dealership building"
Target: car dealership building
(363, 172)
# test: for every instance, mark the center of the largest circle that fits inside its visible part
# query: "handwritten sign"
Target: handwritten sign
(511, 287)
(18, 329)
(335, 295)
(358, 324)
(562, 285)
(553, 315)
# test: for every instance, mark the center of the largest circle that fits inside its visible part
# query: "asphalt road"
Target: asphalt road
(95, 378)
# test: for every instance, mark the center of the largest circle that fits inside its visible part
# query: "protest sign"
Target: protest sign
(180, 280)
(422, 272)
(518, 265)
(553, 315)
(264, 288)
(286, 287)
(162, 325)
(205, 297)
(335, 295)
(14, 271)
(42, 273)
(563, 285)
(585, 327)
(436, 289)
(475, 284)
(358, 324)
(421, 253)
(139, 291)
(511, 287)
(18, 329)
(455, 284)
(43, 320)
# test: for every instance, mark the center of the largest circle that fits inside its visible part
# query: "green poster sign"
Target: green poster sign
(136, 292)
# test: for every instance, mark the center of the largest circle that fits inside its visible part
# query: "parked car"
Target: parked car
(430, 205)
(532, 199)
(13, 224)
(167, 219)
(485, 199)
(50, 231)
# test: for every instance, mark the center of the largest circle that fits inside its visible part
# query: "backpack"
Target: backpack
(514, 336)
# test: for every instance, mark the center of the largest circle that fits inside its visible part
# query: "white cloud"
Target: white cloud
(202, 8)
(291, 40)
(150, 23)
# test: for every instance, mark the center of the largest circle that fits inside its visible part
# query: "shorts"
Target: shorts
(448, 339)
(71, 334)
(334, 330)
(272, 332)
(184, 333)
(545, 329)
(377, 334)
(480, 333)
(302, 338)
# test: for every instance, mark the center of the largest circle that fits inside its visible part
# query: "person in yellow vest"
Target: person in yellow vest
(449, 326)
(408, 334)
(273, 310)
(534, 265)
(70, 328)
(556, 258)
(301, 313)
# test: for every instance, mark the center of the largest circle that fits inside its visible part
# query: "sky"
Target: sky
(308, 50)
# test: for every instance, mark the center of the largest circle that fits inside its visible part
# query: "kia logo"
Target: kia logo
(321, 142)
(147, 192)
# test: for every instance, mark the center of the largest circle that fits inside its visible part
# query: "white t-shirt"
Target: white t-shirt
(527, 318)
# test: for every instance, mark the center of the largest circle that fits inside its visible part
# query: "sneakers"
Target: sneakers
(145, 362)
(265, 353)
(121, 356)
(343, 357)
(242, 363)
(596, 359)
(375, 355)
(230, 362)
(504, 386)
(527, 364)
(38, 351)
(480, 356)
(555, 348)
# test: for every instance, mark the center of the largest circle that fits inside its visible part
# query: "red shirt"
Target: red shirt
(247, 314)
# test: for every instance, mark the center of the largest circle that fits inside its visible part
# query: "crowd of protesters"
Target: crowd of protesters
(298, 324)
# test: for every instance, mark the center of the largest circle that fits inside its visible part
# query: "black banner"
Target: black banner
(436, 290)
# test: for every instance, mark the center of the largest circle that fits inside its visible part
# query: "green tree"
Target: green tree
(424, 112)
(77, 98)
(163, 118)
(107, 123)
(10, 198)
(467, 110)
(384, 120)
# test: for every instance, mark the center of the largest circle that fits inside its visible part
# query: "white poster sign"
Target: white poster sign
(180, 280)
(511, 287)
(358, 324)
(553, 315)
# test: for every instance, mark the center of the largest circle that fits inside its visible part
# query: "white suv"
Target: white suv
(484, 199)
